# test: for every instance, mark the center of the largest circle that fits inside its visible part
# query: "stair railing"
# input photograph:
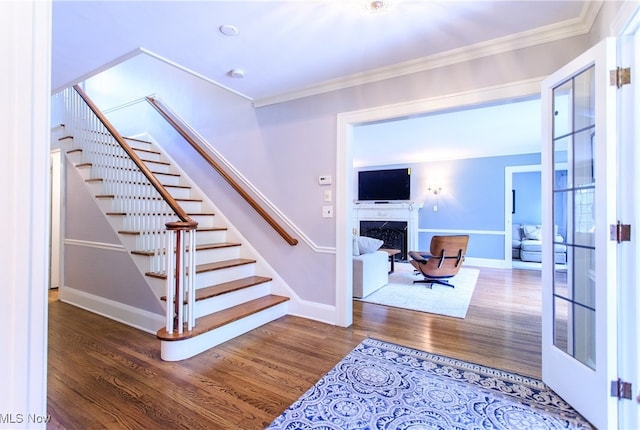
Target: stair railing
(183, 129)
(146, 206)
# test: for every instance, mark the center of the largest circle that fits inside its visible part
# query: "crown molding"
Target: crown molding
(551, 33)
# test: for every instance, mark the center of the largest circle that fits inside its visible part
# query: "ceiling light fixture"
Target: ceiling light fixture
(376, 6)
(236, 73)
(228, 30)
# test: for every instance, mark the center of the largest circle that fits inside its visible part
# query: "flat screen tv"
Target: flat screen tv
(384, 185)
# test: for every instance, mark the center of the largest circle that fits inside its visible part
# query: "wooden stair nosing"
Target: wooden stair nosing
(227, 287)
(218, 319)
(209, 267)
(137, 233)
(147, 151)
(158, 198)
(138, 140)
(203, 247)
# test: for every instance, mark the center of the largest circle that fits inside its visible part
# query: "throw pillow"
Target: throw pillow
(367, 245)
(356, 248)
(533, 232)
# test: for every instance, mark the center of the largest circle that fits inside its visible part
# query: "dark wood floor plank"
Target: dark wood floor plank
(104, 375)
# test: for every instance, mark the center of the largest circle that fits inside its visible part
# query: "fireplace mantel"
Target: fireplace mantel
(406, 211)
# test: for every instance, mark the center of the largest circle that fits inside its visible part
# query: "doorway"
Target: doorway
(55, 221)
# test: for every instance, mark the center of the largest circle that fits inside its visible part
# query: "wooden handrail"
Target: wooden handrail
(175, 123)
(173, 204)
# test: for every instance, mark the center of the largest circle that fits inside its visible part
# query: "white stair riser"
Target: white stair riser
(95, 188)
(129, 241)
(180, 350)
(191, 206)
(137, 144)
(180, 193)
(215, 304)
(168, 179)
(211, 236)
(204, 221)
(218, 254)
(214, 277)
(158, 167)
(74, 157)
(148, 156)
(85, 172)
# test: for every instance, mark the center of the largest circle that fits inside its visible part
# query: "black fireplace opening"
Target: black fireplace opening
(392, 233)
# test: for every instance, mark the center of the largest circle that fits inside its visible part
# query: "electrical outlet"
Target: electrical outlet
(327, 211)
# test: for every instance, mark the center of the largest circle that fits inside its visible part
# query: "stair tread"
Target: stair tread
(147, 151)
(223, 317)
(227, 287)
(203, 229)
(112, 196)
(201, 247)
(208, 267)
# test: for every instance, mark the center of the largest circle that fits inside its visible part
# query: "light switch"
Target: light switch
(327, 211)
(327, 195)
(324, 180)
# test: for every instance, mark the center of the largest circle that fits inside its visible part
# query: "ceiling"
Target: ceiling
(291, 48)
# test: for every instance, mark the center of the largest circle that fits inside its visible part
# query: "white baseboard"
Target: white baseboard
(133, 317)
(313, 311)
(485, 262)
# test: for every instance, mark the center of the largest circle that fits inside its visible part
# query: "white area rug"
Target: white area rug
(401, 292)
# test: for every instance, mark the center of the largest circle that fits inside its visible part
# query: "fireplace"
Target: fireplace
(392, 233)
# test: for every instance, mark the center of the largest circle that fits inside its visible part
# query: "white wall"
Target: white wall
(24, 171)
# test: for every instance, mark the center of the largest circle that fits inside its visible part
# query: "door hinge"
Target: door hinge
(621, 389)
(620, 76)
(620, 232)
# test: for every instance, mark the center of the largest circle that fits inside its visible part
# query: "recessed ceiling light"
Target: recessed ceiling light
(236, 73)
(228, 30)
(376, 6)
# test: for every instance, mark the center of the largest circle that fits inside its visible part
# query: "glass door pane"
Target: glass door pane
(574, 189)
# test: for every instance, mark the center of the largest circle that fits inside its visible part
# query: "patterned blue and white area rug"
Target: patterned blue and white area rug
(380, 385)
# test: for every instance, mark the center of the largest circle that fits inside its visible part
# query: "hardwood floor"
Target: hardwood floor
(103, 374)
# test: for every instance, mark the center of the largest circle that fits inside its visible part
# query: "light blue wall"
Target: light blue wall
(472, 199)
(527, 186)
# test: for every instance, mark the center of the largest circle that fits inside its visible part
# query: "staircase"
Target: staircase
(230, 297)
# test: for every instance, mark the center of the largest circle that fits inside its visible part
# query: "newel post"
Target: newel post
(180, 276)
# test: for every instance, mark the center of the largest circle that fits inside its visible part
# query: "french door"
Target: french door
(579, 327)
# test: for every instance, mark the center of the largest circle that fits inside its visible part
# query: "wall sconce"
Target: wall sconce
(436, 190)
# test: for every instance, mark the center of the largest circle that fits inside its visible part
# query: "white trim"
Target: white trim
(25, 121)
(344, 167)
(134, 53)
(551, 33)
(460, 231)
(485, 262)
(134, 317)
(97, 245)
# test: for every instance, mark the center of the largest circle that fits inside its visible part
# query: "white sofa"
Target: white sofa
(527, 244)
(370, 273)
